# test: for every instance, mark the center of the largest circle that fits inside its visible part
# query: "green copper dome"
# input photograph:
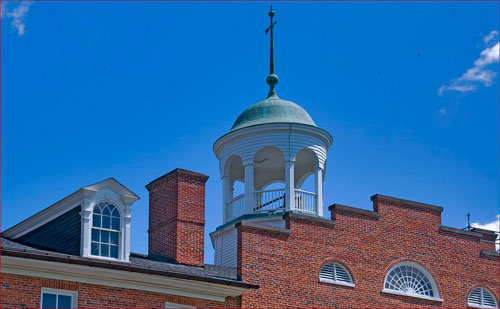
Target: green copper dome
(272, 110)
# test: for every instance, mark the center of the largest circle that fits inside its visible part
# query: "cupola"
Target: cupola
(272, 141)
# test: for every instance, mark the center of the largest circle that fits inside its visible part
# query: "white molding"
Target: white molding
(118, 278)
(73, 294)
(411, 295)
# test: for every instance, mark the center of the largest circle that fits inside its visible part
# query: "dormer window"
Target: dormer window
(105, 240)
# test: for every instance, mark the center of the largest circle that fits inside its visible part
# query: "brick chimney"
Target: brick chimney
(177, 216)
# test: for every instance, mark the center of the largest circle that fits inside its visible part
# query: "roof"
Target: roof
(138, 263)
(272, 110)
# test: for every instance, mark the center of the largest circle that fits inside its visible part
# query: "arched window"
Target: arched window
(481, 298)
(411, 279)
(335, 273)
(105, 230)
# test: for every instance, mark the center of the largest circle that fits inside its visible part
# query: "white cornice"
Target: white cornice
(118, 278)
(272, 127)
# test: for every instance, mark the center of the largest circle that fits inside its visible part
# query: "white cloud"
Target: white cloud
(493, 35)
(479, 73)
(17, 15)
(492, 226)
(442, 111)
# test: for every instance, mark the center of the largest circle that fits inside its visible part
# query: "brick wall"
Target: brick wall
(177, 216)
(286, 262)
(19, 291)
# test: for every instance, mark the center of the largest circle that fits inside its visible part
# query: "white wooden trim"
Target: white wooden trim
(118, 278)
(337, 282)
(411, 295)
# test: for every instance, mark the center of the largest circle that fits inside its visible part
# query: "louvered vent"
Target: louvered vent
(483, 298)
(335, 273)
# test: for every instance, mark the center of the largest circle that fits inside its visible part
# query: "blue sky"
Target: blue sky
(91, 90)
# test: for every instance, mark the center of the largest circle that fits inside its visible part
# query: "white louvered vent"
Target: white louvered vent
(482, 298)
(335, 273)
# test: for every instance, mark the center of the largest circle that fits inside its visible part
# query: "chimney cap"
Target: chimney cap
(176, 171)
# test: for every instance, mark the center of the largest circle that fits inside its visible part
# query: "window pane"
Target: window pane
(115, 224)
(94, 249)
(106, 212)
(106, 222)
(64, 301)
(48, 300)
(97, 209)
(115, 213)
(104, 250)
(114, 238)
(113, 251)
(105, 237)
(95, 235)
(96, 220)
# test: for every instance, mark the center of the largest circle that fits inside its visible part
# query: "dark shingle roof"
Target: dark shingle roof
(137, 262)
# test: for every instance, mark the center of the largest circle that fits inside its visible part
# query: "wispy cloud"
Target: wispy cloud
(16, 14)
(492, 226)
(492, 36)
(480, 73)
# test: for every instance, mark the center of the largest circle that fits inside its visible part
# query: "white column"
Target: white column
(318, 187)
(127, 219)
(85, 215)
(290, 185)
(249, 189)
(227, 196)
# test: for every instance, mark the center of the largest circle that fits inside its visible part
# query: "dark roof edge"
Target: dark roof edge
(460, 231)
(119, 266)
(355, 210)
(179, 171)
(484, 231)
(314, 219)
(406, 202)
(262, 227)
(489, 253)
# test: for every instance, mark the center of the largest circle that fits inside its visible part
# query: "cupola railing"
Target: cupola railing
(271, 200)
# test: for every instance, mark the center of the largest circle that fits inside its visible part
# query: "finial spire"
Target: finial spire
(272, 78)
(468, 227)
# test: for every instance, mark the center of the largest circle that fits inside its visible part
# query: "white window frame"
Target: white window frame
(174, 305)
(73, 294)
(120, 231)
(123, 207)
(424, 271)
(482, 306)
(349, 284)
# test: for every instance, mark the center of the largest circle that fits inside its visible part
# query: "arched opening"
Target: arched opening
(306, 186)
(234, 188)
(269, 179)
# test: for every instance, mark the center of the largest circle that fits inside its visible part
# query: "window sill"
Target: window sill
(97, 257)
(412, 295)
(480, 306)
(337, 282)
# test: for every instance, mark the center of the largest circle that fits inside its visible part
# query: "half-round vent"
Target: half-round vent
(335, 273)
(482, 298)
